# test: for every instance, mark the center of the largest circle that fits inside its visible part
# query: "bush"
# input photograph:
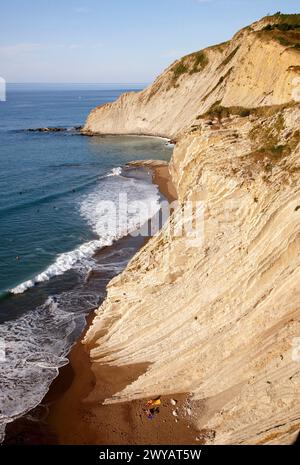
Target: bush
(199, 61)
(269, 27)
(193, 63)
(284, 27)
(220, 112)
(277, 149)
(245, 112)
(283, 41)
(179, 69)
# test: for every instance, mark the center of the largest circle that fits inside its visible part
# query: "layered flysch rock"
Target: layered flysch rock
(218, 316)
(256, 67)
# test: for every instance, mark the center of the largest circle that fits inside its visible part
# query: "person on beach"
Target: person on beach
(152, 408)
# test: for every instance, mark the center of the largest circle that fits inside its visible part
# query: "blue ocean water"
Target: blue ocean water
(50, 243)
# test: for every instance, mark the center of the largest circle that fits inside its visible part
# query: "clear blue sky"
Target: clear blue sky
(115, 40)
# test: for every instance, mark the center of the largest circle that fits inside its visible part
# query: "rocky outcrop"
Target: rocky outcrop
(257, 67)
(215, 309)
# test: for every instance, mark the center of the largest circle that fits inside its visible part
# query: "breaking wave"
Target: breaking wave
(106, 210)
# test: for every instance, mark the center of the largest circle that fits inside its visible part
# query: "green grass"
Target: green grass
(283, 41)
(270, 151)
(285, 30)
(281, 27)
(271, 154)
(218, 111)
(200, 61)
(190, 64)
(288, 40)
(267, 135)
(288, 19)
(179, 69)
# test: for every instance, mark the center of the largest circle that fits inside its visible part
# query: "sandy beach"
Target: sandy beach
(161, 176)
(71, 413)
(78, 417)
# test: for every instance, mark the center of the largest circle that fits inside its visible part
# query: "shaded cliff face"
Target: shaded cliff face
(257, 67)
(220, 318)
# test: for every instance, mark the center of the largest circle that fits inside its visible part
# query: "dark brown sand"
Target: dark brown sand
(72, 413)
(162, 178)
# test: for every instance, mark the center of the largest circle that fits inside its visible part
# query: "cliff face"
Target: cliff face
(220, 318)
(256, 67)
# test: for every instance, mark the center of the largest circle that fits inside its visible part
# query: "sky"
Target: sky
(115, 41)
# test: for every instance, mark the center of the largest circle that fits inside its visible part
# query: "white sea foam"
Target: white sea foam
(115, 172)
(63, 263)
(36, 345)
(142, 202)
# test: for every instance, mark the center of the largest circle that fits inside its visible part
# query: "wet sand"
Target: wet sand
(161, 176)
(72, 414)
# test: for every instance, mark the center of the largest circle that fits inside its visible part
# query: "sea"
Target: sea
(56, 254)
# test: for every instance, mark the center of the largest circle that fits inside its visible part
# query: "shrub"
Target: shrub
(285, 27)
(218, 111)
(245, 112)
(271, 154)
(199, 61)
(269, 27)
(283, 41)
(193, 63)
(179, 69)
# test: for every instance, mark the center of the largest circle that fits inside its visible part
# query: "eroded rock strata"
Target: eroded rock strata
(218, 318)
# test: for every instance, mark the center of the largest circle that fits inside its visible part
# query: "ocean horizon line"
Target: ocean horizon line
(75, 83)
(76, 86)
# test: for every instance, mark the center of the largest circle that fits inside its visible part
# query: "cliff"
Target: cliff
(256, 67)
(218, 317)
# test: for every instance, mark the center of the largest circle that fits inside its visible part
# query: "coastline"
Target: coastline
(161, 176)
(203, 321)
(71, 414)
(78, 416)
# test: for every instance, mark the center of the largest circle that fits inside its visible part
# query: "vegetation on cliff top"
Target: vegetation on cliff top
(219, 111)
(189, 64)
(286, 30)
(291, 19)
